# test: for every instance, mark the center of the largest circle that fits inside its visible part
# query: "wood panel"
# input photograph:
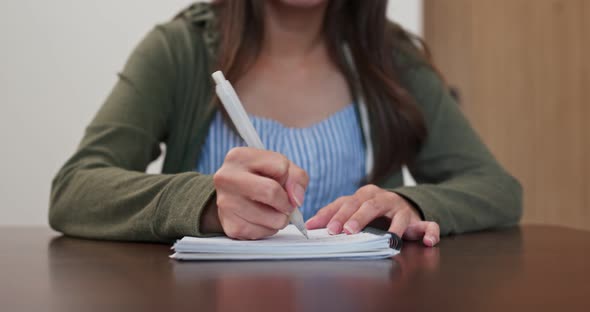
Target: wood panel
(523, 69)
(457, 62)
(585, 12)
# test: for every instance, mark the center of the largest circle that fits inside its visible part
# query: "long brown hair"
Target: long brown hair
(373, 42)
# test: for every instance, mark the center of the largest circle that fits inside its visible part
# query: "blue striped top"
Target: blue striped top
(331, 151)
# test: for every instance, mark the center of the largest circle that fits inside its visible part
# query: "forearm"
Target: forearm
(469, 203)
(113, 203)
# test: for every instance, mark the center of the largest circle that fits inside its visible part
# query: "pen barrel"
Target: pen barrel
(228, 97)
(230, 100)
(296, 219)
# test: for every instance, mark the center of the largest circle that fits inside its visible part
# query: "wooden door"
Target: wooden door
(523, 70)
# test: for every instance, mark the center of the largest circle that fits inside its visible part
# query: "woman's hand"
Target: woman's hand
(352, 213)
(256, 192)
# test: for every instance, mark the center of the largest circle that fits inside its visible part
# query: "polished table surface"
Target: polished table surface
(531, 268)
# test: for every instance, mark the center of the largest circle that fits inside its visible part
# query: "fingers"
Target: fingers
(415, 231)
(351, 214)
(356, 212)
(237, 228)
(367, 192)
(400, 222)
(368, 212)
(269, 164)
(256, 213)
(256, 191)
(261, 189)
(432, 234)
(296, 184)
(324, 215)
(349, 206)
(266, 163)
(245, 219)
(381, 204)
(428, 231)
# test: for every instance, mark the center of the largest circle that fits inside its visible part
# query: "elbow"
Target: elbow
(513, 203)
(57, 220)
(56, 215)
(58, 204)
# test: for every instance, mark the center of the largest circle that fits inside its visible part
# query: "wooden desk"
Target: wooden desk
(532, 268)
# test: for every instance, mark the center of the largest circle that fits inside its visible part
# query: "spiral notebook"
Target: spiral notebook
(290, 244)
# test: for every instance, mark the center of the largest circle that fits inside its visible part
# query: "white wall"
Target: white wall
(50, 88)
(408, 13)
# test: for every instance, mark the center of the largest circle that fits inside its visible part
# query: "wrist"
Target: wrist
(210, 223)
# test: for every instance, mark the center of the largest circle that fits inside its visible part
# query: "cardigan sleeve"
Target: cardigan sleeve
(460, 184)
(102, 191)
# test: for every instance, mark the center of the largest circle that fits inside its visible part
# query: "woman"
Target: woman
(341, 95)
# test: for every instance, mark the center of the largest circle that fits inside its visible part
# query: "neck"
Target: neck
(290, 32)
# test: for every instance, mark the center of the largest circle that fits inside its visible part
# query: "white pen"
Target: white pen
(229, 98)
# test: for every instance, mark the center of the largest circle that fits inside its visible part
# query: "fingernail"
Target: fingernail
(334, 227)
(352, 226)
(298, 194)
(430, 240)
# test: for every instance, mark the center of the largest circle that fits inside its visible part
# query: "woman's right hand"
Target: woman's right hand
(256, 192)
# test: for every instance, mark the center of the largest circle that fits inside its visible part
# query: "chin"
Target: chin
(302, 3)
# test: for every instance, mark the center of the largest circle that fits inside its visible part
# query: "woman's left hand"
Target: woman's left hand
(352, 213)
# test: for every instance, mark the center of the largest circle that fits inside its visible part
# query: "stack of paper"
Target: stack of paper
(287, 244)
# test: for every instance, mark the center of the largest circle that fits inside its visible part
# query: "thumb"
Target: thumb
(296, 184)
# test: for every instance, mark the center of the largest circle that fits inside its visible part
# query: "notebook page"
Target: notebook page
(287, 241)
(377, 254)
(288, 236)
